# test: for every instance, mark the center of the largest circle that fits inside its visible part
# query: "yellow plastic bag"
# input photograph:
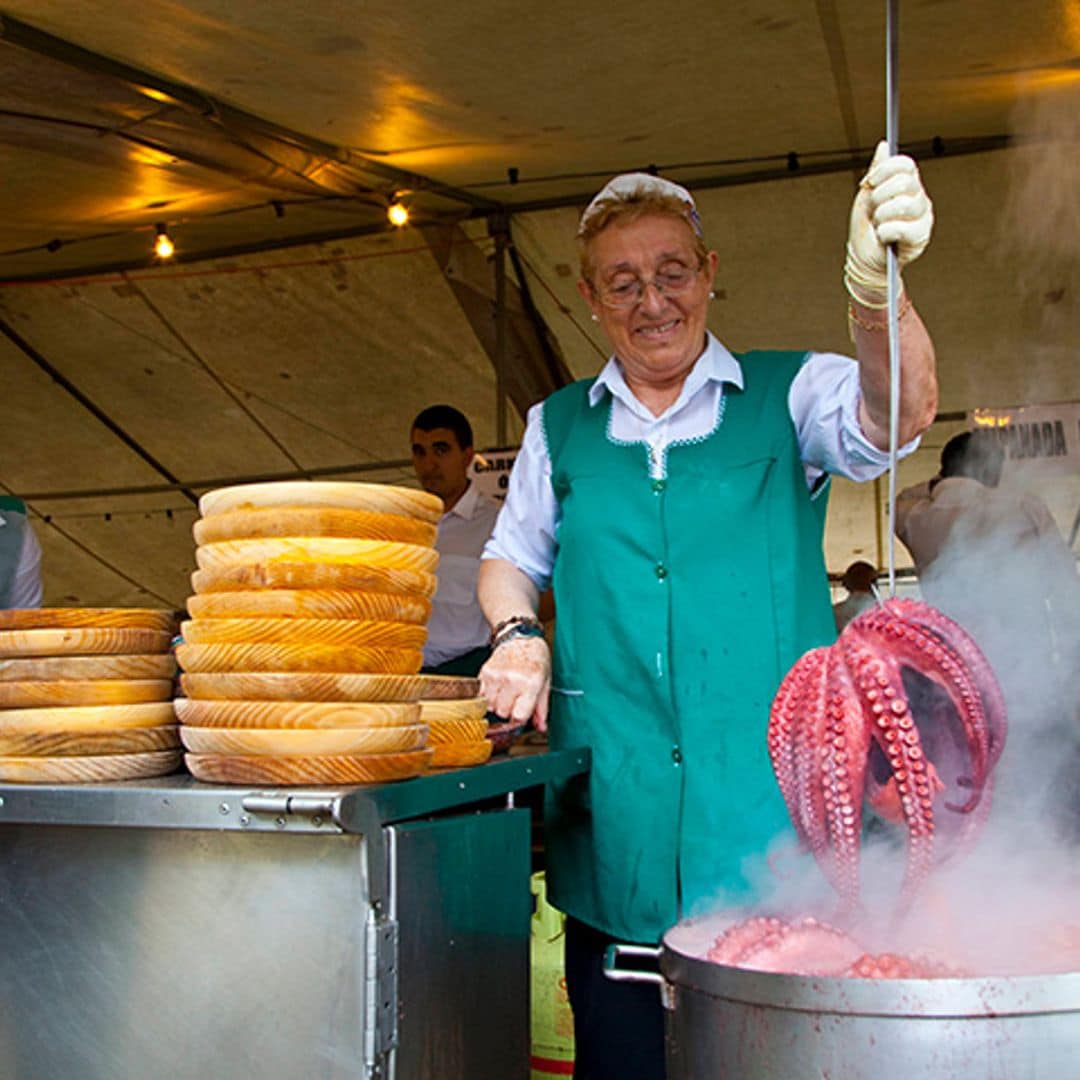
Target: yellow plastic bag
(552, 1021)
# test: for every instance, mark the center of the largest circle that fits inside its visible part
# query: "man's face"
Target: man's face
(440, 463)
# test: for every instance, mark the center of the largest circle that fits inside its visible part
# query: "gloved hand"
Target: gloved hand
(891, 206)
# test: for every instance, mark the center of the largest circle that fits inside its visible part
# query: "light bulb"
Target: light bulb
(164, 248)
(398, 213)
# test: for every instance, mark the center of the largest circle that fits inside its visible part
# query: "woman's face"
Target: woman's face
(657, 337)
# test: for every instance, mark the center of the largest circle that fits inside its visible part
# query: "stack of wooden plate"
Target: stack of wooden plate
(456, 718)
(306, 633)
(86, 695)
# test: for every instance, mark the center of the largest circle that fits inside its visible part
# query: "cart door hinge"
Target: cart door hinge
(380, 993)
(317, 809)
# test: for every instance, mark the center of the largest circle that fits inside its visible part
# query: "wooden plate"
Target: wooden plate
(87, 718)
(27, 695)
(68, 618)
(266, 657)
(441, 732)
(313, 521)
(457, 755)
(332, 549)
(312, 686)
(334, 769)
(345, 632)
(73, 743)
(32, 770)
(304, 742)
(264, 574)
(79, 668)
(80, 641)
(448, 687)
(445, 712)
(335, 494)
(297, 714)
(310, 604)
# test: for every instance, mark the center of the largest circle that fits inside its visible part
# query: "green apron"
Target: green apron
(13, 517)
(681, 603)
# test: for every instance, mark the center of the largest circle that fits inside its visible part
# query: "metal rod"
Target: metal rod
(500, 330)
(892, 136)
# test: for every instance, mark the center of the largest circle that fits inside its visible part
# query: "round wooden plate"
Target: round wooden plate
(458, 755)
(345, 632)
(448, 687)
(80, 668)
(441, 732)
(310, 604)
(304, 742)
(69, 618)
(265, 574)
(73, 743)
(446, 712)
(301, 686)
(333, 769)
(32, 770)
(80, 641)
(87, 718)
(27, 695)
(332, 549)
(339, 494)
(267, 657)
(313, 521)
(297, 714)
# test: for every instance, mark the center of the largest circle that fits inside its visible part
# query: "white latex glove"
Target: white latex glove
(891, 207)
(516, 681)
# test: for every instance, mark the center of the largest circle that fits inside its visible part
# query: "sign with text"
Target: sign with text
(490, 471)
(1039, 438)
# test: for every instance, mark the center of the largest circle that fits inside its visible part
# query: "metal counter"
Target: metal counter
(167, 928)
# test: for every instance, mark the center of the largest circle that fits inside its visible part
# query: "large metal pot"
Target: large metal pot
(729, 1022)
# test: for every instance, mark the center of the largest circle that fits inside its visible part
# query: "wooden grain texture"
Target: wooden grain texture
(297, 714)
(313, 521)
(293, 574)
(338, 769)
(68, 618)
(28, 695)
(81, 770)
(304, 742)
(80, 668)
(332, 658)
(82, 641)
(300, 686)
(334, 494)
(330, 549)
(345, 632)
(75, 743)
(310, 604)
(87, 717)
(448, 687)
(459, 755)
(439, 712)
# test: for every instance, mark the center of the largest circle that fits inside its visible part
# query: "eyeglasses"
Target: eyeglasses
(673, 279)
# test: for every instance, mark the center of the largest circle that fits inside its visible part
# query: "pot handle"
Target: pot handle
(612, 971)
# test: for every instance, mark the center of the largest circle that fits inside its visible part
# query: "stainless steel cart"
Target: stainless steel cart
(167, 928)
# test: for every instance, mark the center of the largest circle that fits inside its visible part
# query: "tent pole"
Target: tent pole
(499, 227)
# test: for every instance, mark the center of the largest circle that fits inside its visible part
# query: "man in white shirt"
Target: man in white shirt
(442, 451)
(20, 557)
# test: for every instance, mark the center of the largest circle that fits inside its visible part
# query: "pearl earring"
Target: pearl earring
(595, 317)
(712, 295)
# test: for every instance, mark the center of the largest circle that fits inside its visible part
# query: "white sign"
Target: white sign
(490, 471)
(1040, 438)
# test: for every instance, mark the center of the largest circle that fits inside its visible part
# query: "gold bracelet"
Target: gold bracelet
(905, 307)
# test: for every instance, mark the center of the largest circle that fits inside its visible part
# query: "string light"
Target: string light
(164, 248)
(397, 212)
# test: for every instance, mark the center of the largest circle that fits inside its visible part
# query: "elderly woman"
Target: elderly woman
(676, 504)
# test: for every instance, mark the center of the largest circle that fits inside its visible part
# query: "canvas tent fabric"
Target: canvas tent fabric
(297, 332)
